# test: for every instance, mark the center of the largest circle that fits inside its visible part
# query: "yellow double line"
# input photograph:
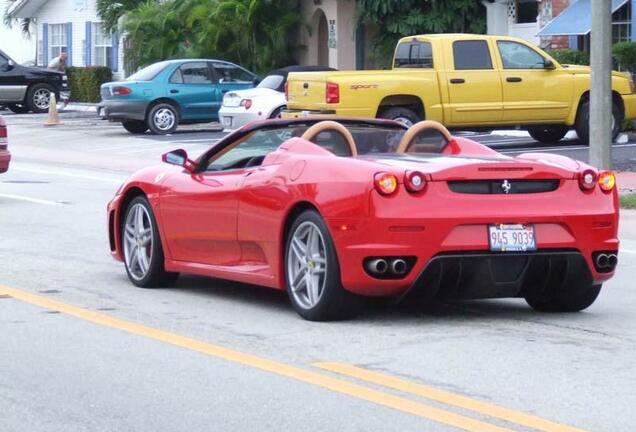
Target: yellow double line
(323, 380)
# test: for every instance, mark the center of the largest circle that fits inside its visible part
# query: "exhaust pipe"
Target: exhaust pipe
(602, 261)
(612, 260)
(377, 266)
(398, 266)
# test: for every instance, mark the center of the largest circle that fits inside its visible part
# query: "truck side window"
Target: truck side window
(471, 55)
(517, 56)
(414, 55)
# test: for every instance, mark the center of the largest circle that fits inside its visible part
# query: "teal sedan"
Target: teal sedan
(166, 94)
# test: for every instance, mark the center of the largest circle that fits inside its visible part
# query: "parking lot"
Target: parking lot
(83, 348)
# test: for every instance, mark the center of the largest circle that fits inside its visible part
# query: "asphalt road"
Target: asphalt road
(82, 349)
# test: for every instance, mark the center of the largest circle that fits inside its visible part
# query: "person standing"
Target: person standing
(59, 63)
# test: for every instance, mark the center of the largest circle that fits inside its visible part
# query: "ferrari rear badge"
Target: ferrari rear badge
(506, 186)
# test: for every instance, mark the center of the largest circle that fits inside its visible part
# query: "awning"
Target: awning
(576, 20)
(25, 8)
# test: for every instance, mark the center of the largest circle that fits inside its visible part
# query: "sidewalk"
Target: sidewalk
(626, 182)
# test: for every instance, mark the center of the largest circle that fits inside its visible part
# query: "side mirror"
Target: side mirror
(548, 64)
(178, 157)
(8, 66)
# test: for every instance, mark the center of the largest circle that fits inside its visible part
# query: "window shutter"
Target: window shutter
(115, 61)
(69, 43)
(89, 43)
(45, 45)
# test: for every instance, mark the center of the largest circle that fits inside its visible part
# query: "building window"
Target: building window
(57, 40)
(622, 24)
(526, 11)
(102, 46)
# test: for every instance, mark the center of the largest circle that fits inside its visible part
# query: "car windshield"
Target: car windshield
(274, 82)
(148, 73)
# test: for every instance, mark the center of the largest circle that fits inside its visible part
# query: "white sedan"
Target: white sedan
(266, 100)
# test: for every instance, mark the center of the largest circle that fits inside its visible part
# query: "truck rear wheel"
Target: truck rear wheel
(403, 115)
(548, 134)
(582, 124)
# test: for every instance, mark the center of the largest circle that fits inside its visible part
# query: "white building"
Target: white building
(19, 47)
(71, 26)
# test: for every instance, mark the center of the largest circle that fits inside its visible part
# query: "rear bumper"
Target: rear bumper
(629, 101)
(234, 118)
(429, 227)
(5, 158)
(292, 114)
(122, 110)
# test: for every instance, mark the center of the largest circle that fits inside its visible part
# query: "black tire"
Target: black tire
(156, 275)
(156, 113)
(573, 299)
(582, 124)
(548, 133)
(401, 114)
(334, 303)
(36, 100)
(276, 113)
(135, 126)
(18, 108)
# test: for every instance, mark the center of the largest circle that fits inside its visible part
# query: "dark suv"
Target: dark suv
(24, 89)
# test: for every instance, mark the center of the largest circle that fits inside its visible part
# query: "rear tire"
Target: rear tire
(403, 115)
(18, 108)
(163, 119)
(135, 126)
(582, 124)
(140, 235)
(312, 272)
(276, 113)
(39, 98)
(572, 299)
(548, 134)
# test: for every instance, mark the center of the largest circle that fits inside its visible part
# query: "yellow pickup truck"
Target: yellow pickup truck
(464, 81)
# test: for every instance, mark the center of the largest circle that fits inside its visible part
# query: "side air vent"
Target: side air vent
(503, 186)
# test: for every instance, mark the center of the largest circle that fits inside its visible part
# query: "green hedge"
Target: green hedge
(625, 55)
(570, 56)
(86, 81)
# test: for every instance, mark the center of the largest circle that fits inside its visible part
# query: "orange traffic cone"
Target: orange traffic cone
(53, 118)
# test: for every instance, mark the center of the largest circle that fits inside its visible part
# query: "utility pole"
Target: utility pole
(601, 91)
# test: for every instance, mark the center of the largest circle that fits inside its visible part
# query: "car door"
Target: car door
(532, 89)
(200, 210)
(229, 77)
(13, 84)
(474, 86)
(192, 85)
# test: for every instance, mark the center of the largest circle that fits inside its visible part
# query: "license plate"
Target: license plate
(511, 238)
(227, 122)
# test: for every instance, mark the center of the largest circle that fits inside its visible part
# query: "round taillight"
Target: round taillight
(607, 181)
(587, 179)
(385, 183)
(414, 181)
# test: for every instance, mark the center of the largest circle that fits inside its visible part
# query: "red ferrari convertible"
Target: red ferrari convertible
(336, 211)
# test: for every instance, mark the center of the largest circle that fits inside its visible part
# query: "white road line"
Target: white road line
(27, 199)
(113, 180)
(629, 251)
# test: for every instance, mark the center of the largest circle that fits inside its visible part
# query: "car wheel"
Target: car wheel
(548, 134)
(582, 124)
(143, 253)
(276, 113)
(572, 299)
(163, 119)
(19, 109)
(312, 272)
(135, 126)
(401, 114)
(39, 98)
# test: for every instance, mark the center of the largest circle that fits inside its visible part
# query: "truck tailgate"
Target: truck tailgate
(306, 89)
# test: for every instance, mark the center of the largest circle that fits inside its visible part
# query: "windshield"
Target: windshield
(274, 82)
(148, 73)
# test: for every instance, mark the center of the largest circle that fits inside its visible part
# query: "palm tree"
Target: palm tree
(25, 23)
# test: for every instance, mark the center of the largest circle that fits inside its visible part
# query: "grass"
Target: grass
(628, 201)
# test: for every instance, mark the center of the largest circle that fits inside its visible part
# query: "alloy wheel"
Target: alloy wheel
(307, 265)
(164, 119)
(138, 241)
(42, 98)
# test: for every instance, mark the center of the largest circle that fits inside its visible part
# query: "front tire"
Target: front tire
(38, 98)
(548, 134)
(163, 119)
(143, 253)
(135, 127)
(312, 272)
(19, 108)
(403, 115)
(582, 124)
